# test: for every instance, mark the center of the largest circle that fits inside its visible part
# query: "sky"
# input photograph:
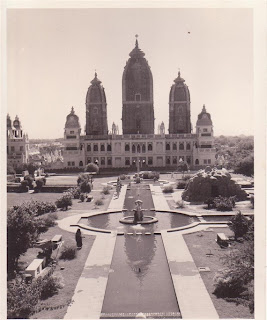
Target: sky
(52, 55)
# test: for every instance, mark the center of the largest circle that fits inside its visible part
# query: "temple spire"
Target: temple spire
(136, 41)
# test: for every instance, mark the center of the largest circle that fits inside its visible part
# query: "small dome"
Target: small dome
(72, 120)
(204, 118)
(16, 123)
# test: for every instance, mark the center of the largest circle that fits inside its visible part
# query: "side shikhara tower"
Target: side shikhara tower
(96, 109)
(179, 107)
(137, 95)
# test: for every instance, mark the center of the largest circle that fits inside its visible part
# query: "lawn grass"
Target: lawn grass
(18, 198)
(201, 243)
(71, 273)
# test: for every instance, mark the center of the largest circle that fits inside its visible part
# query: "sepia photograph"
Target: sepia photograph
(129, 136)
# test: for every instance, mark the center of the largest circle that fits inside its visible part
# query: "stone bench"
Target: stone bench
(56, 240)
(35, 268)
(222, 240)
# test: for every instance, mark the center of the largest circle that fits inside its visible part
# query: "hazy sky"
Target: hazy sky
(52, 55)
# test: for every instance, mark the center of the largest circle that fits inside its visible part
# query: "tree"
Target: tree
(22, 298)
(10, 170)
(239, 224)
(245, 166)
(91, 167)
(22, 233)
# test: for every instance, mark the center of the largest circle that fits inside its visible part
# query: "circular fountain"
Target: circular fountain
(138, 217)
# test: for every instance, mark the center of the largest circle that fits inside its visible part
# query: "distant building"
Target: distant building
(138, 143)
(17, 143)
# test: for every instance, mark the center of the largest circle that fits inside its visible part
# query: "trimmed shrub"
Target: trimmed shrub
(17, 180)
(75, 192)
(228, 284)
(105, 190)
(186, 177)
(210, 203)
(39, 185)
(82, 197)
(180, 204)
(91, 167)
(239, 224)
(50, 285)
(181, 185)
(122, 176)
(30, 181)
(168, 189)
(137, 180)
(68, 252)
(223, 203)
(64, 201)
(85, 186)
(24, 186)
(99, 202)
(150, 175)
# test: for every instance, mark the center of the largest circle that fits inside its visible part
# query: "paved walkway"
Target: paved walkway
(90, 290)
(116, 203)
(192, 296)
(160, 203)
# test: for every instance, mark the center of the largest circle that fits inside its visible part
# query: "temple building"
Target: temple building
(17, 143)
(138, 143)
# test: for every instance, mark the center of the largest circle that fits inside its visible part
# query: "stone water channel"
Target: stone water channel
(139, 279)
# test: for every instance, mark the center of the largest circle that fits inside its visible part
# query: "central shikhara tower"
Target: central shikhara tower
(138, 143)
(137, 95)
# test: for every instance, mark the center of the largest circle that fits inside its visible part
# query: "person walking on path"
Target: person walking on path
(78, 237)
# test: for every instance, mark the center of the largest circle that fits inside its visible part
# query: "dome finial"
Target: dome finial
(204, 108)
(72, 109)
(179, 73)
(136, 41)
(95, 74)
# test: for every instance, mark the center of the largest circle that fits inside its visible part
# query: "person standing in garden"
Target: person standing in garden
(78, 237)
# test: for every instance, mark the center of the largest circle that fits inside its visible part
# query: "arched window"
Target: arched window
(168, 160)
(102, 148)
(188, 146)
(138, 148)
(174, 146)
(197, 162)
(127, 148)
(143, 148)
(168, 147)
(109, 161)
(127, 161)
(133, 148)
(89, 160)
(174, 160)
(181, 146)
(150, 147)
(81, 164)
(109, 147)
(95, 147)
(88, 147)
(102, 161)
